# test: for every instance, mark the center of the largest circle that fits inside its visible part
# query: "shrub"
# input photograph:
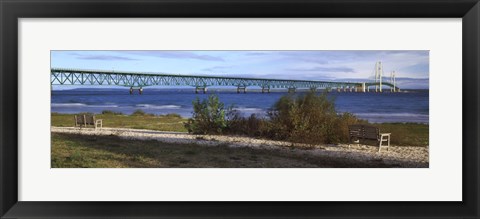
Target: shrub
(250, 126)
(141, 113)
(209, 116)
(173, 115)
(344, 120)
(308, 118)
(110, 112)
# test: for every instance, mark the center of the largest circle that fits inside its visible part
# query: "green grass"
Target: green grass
(406, 134)
(85, 151)
(169, 122)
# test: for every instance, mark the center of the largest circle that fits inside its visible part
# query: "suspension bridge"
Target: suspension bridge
(139, 80)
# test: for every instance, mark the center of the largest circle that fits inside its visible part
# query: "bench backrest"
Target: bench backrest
(364, 131)
(84, 119)
(90, 119)
(355, 131)
(370, 132)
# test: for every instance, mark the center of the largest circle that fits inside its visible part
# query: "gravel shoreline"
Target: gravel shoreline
(401, 156)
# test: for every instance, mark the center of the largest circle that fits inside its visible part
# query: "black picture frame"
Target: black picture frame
(12, 10)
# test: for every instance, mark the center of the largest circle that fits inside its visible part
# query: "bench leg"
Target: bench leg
(350, 142)
(382, 140)
(388, 146)
(98, 123)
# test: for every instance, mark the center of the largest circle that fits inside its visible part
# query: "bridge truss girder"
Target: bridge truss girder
(136, 79)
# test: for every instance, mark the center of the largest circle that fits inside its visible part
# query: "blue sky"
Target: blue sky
(412, 67)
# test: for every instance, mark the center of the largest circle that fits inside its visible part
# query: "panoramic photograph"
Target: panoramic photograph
(239, 109)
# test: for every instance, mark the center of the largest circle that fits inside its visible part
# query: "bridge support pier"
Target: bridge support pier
(267, 89)
(203, 89)
(361, 88)
(292, 89)
(140, 90)
(241, 88)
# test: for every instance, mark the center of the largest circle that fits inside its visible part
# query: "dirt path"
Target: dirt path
(402, 156)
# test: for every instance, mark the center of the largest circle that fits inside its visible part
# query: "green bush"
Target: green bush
(173, 115)
(140, 112)
(110, 112)
(209, 116)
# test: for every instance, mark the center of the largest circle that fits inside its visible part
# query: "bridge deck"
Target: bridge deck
(60, 76)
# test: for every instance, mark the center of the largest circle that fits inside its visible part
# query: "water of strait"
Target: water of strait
(409, 106)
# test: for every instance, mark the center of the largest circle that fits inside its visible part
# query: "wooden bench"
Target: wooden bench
(86, 119)
(357, 132)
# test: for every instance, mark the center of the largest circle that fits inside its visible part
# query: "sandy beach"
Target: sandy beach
(401, 156)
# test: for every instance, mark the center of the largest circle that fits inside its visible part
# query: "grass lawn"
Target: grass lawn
(84, 151)
(406, 134)
(171, 122)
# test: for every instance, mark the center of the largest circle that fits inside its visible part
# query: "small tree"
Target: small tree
(308, 118)
(208, 116)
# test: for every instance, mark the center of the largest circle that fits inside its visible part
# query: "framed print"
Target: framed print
(239, 109)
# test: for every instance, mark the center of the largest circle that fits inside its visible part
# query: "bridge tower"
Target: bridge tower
(378, 76)
(392, 81)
